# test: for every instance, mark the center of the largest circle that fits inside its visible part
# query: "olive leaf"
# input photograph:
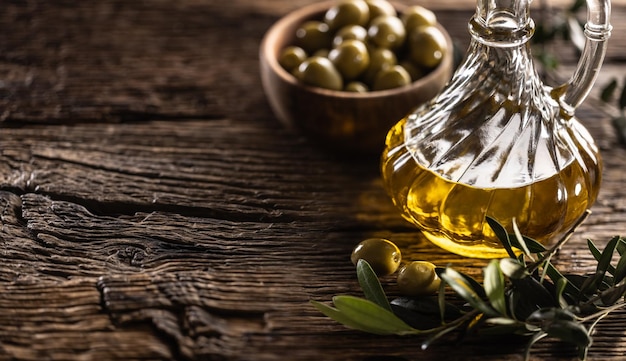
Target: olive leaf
(494, 286)
(619, 123)
(464, 289)
(364, 315)
(608, 91)
(422, 312)
(604, 258)
(561, 285)
(518, 240)
(613, 294)
(372, 315)
(621, 246)
(620, 269)
(502, 235)
(530, 244)
(569, 331)
(370, 284)
(512, 268)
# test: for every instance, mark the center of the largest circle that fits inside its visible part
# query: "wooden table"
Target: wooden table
(153, 208)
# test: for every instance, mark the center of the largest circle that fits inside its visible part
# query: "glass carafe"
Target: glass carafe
(497, 141)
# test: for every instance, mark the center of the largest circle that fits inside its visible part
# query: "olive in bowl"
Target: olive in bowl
(350, 108)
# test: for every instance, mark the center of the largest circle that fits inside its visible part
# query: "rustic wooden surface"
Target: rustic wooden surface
(154, 209)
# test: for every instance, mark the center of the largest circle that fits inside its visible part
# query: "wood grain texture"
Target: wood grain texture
(152, 208)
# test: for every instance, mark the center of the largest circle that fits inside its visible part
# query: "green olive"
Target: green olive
(380, 7)
(427, 46)
(393, 77)
(313, 35)
(416, 16)
(350, 32)
(347, 12)
(322, 52)
(380, 58)
(418, 278)
(319, 71)
(291, 57)
(414, 71)
(351, 58)
(387, 32)
(382, 255)
(356, 87)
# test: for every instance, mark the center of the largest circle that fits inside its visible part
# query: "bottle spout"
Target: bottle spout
(502, 23)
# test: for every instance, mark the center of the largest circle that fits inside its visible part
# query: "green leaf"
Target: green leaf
(370, 284)
(544, 316)
(494, 286)
(532, 245)
(375, 318)
(340, 317)
(608, 91)
(556, 277)
(593, 283)
(502, 326)
(561, 285)
(528, 295)
(597, 254)
(512, 268)
(463, 288)
(621, 246)
(423, 313)
(612, 295)
(502, 235)
(518, 240)
(569, 331)
(620, 269)
(619, 123)
(363, 315)
(604, 263)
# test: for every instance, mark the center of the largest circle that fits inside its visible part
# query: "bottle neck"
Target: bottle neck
(502, 23)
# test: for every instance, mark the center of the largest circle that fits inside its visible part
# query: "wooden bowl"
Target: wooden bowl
(353, 123)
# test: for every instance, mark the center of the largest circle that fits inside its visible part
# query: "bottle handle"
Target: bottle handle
(597, 32)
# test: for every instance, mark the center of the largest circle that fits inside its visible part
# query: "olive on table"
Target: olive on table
(382, 255)
(427, 46)
(387, 32)
(351, 58)
(418, 278)
(347, 12)
(319, 71)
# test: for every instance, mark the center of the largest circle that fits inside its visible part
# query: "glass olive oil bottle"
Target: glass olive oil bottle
(498, 142)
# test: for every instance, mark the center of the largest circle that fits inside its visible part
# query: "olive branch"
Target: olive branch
(522, 295)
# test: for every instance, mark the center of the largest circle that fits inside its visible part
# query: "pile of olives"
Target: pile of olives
(417, 278)
(365, 45)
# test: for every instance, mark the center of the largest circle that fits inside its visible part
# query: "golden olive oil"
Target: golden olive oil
(452, 215)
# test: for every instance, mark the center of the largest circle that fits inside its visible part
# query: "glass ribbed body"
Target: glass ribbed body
(494, 143)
